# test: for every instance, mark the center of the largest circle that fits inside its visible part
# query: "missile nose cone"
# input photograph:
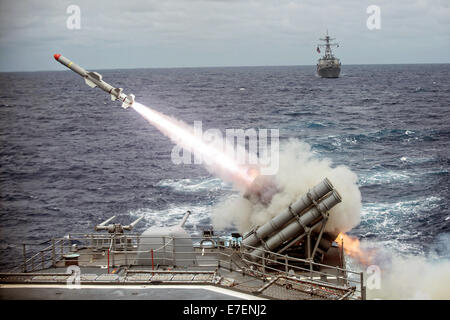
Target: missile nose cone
(56, 56)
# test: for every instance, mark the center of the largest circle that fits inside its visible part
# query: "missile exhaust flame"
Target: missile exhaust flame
(353, 248)
(215, 158)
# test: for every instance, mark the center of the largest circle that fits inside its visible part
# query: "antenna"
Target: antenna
(101, 225)
(185, 217)
(131, 225)
(116, 227)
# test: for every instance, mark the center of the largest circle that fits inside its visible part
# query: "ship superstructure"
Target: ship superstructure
(328, 66)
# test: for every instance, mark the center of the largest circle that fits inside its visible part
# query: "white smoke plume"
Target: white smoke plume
(407, 276)
(413, 277)
(299, 171)
(391, 273)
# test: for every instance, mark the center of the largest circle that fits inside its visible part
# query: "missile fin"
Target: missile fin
(95, 75)
(128, 101)
(89, 83)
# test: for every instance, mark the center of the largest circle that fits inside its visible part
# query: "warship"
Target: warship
(291, 257)
(328, 66)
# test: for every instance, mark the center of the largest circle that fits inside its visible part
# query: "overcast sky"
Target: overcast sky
(195, 33)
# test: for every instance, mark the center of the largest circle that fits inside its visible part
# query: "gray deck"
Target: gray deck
(175, 292)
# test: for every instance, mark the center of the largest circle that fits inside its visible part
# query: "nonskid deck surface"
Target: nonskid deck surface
(110, 292)
(151, 285)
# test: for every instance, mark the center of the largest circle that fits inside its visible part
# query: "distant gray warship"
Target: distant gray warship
(328, 66)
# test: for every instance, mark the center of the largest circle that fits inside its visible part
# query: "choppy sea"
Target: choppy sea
(70, 157)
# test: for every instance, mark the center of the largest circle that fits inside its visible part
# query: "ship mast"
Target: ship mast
(328, 45)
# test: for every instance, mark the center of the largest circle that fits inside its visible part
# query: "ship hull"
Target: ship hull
(329, 72)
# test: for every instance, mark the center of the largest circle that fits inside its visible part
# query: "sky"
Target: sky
(201, 33)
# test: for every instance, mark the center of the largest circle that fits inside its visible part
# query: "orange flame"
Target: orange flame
(352, 247)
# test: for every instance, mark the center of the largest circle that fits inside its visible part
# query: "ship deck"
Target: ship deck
(220, 273)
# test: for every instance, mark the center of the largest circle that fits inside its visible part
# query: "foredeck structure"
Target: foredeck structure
(101, 264)
(291, 256)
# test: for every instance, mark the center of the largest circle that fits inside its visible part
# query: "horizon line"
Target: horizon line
(237, 66)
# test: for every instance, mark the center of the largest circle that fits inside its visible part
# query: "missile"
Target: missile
(94, 79)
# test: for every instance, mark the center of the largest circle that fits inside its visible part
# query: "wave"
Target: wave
(172, 215)
(399, 225)
(384, 177)
(201, 184)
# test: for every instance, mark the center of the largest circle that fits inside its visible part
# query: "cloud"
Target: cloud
(205, 32)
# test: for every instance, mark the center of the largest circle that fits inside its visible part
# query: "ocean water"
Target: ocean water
(70, 157)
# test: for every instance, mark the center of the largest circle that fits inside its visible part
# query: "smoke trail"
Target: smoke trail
(299, 171)
(215, 159)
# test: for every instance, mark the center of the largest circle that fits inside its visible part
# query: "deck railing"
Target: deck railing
(270, 262)
(119, 250)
